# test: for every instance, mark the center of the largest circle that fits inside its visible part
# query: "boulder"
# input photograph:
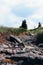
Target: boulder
(14, 39)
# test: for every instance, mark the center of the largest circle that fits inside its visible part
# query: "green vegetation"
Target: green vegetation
(24, 25)
(39, 37)
(36, 30)
(15, 31)
(39, 24)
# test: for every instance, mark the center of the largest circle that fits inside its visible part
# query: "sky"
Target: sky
(13, 12)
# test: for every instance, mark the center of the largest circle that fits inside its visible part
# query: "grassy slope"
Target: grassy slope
(18, 30)
(5, 31)
(36, 30)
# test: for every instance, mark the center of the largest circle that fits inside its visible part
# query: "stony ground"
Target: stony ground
(10, 55)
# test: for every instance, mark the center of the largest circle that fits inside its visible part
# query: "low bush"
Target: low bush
(39, 37)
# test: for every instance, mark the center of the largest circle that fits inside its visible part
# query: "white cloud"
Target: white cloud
(11, 2)
(31, 24)
(6, 16)
(34, 3)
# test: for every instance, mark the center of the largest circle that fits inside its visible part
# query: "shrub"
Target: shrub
(24, 25)
(39, 24)
(39, 37)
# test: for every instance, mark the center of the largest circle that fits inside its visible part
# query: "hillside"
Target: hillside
(36, 30)
(12, 53)
(6, 31)
(19, 30)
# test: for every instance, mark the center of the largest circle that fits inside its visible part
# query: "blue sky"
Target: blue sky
(12, 12)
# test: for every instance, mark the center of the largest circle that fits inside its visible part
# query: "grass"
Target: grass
(18, 31)
(15, 31)
(36, 30)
